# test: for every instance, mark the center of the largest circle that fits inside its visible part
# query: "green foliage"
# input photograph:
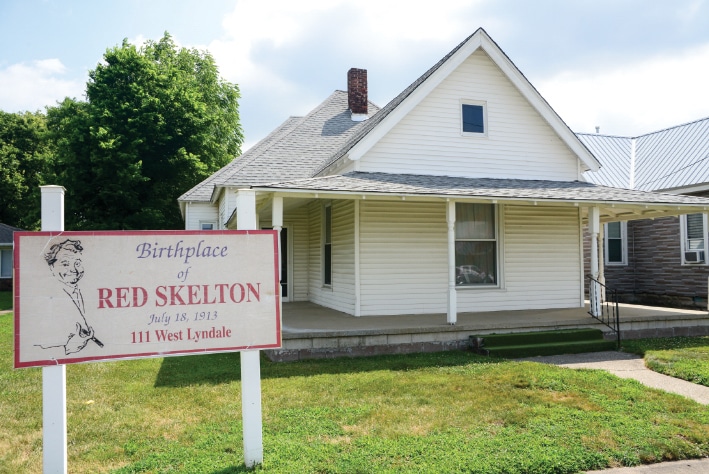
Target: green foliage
(157, 121)
(447, 412)
(26, 155)
(686, 358)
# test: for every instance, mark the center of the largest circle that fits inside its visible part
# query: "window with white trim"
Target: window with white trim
(5, 263)
(204, 225)
(327, 245)
(693, 231)
(473, 118)
(476, 244)
(616, 243)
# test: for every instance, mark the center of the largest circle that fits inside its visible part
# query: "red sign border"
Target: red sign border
(49, 362)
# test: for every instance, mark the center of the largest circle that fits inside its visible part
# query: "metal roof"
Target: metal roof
(669, 159)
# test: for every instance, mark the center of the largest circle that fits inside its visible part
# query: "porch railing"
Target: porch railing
(604, 306)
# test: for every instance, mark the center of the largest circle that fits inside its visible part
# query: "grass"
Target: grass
(5, 300)
(446, 412)
(682, 357)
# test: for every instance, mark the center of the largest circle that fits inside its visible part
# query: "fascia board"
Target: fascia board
(407, 105)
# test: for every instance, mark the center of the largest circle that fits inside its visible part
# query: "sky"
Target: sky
(629, 67)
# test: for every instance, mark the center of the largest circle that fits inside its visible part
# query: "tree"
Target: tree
(25, 163)
(158, 120)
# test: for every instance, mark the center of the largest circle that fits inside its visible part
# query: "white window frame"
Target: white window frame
(206, 223)
(498, 253)
(683, 240)
(624, 244)
(2, 268)
(480, 103)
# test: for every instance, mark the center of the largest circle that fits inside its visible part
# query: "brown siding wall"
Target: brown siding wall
(655, 274)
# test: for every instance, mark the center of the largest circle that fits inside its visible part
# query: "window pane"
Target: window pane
(475, 263)
(207, 226)
(473, 120)
(613, 229)
(327, 274)
(695, 226)
(474, 221)
(5, 263)
(615, 250)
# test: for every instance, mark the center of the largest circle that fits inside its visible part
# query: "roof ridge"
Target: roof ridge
(673, 127)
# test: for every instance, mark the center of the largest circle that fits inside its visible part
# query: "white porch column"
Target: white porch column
(357, 275)
(452, 315)
(277, 223)
(54, 439)
(594, 227)
(250, 362)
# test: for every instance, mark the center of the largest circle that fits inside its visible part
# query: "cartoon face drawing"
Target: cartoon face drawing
(68, 267)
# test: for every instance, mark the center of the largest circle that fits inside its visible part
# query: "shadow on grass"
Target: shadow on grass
(214, 369)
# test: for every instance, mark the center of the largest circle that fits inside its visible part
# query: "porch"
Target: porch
(313, 331)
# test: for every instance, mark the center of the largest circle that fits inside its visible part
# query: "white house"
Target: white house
(464, 194)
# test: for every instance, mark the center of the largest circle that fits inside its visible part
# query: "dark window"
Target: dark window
(327, 247)
(615, 242)
(475, 244)
(473, 119)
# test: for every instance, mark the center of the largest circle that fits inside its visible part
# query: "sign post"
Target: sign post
(54, 439)
(251, 415)
(96, 296)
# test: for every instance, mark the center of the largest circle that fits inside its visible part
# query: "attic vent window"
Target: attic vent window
(473, 119)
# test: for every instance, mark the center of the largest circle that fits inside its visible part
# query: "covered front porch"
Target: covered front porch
(313, 331)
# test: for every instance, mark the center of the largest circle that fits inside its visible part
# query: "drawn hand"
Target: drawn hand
(78, 340)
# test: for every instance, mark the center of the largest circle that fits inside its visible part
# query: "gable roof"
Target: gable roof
(394, 111)
(305, 147)
(6, 232)
(675, 158)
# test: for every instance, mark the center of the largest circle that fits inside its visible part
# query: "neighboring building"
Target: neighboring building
(664, 261)
(6, 244)
(464, 194)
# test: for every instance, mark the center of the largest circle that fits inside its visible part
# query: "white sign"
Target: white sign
(83, 296)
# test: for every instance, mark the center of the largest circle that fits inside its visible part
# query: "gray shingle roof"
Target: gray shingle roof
(672, 158)
(515, 189)
(294, 150)
(6, 232)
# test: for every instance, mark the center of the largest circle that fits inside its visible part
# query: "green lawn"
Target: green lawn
(5, 300)
(446, 412)
(682, 357)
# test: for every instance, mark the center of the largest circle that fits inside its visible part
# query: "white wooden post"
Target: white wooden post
(594, 224)
(452, 315)
(277, 223)
(246, 219)
(54, 438)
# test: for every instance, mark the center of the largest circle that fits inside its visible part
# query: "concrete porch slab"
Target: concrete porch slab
(310, 330)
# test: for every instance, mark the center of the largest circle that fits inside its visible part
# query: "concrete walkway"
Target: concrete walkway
(631, 366)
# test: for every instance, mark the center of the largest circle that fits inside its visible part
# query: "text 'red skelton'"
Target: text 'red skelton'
(180, 295)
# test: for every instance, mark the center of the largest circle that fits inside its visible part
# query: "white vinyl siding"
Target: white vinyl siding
(541, 264)
(519, 142)
(340, 294)
(403, 258)
(197, 213)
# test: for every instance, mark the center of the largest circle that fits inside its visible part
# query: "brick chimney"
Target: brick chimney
(357, 93)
